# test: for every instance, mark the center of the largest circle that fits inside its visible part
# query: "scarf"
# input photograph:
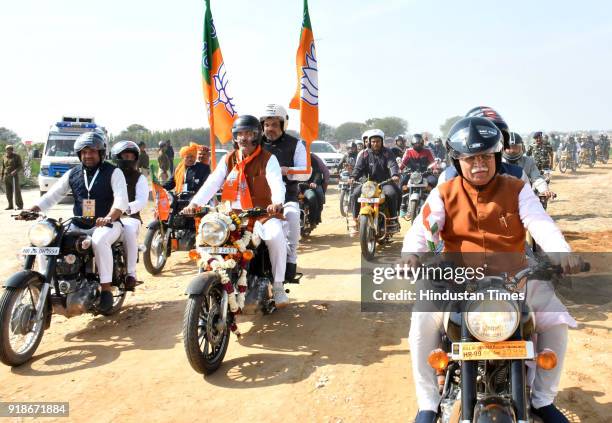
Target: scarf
(236, 182)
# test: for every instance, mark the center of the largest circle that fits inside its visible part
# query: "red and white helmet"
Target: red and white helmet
(275, 110)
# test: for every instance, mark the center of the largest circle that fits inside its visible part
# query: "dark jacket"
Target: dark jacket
(195, 176)
(377, 166)
(284, 150)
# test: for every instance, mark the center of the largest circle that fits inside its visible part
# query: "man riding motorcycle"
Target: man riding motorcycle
(400, 146)
(513, 154)
(190, 174)
(89, 183)
(314, 193)
(291, 154)
(351, 156)
(377, 163)
(541, 151)
(417, 158)
(251, 177)
(125, 154)
(466, 214)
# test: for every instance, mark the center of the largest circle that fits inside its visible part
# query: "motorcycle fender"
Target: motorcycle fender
(415, 196)
(20, 279)
(367, 210)
(201, 282)
(494, 410)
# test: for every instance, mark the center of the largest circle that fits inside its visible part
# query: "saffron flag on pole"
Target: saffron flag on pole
(219, 105)
(306, 98)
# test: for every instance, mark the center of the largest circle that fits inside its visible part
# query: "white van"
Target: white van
(58, 155)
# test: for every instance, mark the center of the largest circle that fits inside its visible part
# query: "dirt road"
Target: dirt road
(319, 360)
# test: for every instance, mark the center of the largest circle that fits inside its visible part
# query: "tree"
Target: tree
(8, 137)
(392, 126)
(448, 123)
(350, 131)
(326, 132)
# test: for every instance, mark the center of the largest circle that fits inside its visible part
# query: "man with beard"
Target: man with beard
(189, 174)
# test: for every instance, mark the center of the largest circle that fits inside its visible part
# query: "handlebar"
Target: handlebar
(28, 215)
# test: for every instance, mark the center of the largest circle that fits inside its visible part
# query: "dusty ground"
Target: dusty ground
(319, 360)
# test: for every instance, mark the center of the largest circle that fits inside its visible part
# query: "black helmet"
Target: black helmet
(490, 113)
(161, 144)
(92, 139)
(417, 142)
(400, 138)
(121, 147)
(247, 123)
(474, 135)
(515, 139)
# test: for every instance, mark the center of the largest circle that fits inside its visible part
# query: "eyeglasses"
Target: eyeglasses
(481, 157)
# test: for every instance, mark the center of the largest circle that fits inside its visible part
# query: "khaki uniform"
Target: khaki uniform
(11, 182)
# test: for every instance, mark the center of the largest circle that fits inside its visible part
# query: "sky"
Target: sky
(544, 65)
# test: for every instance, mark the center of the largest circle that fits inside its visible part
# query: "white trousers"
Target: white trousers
(273, 234)
(291, 212)
(102, 239)
(426, 329)
(131, 227)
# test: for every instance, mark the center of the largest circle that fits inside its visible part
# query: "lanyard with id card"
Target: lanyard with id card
(89, 205)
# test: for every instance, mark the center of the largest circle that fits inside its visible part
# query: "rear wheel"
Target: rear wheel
(367, 238)
(20, 335)
(156, 253)
(205, 343)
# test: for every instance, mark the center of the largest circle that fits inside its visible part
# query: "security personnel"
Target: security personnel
(11, 166)
(541, 151)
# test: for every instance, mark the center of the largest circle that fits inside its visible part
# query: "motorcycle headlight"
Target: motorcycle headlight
(368, 189)
(214, 232)
(416, 178)
(492, 321)
(42, 234)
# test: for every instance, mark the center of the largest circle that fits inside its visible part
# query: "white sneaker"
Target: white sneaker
(281, 299)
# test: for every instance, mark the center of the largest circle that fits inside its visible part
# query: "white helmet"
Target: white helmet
(375, 133)
(365, 135)
(275, 110)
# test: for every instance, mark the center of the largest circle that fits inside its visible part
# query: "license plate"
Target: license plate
(368, 200)
(507, 350)
(218, 250)
(32, 251)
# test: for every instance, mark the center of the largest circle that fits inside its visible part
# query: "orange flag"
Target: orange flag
(306, 98)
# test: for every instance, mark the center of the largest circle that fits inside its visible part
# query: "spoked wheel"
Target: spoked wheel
(344, 200)
(118, 299)
(205, 342)
(562, 166)
(19, 333)
(156, 255)
(367, 238)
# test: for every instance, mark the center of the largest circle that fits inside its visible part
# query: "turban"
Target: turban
(191, 149)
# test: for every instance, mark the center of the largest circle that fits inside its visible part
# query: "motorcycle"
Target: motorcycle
(164, 235)
(585, 158)
(345, 192)
(567, 162)
(306, 226)
(600, 154)
(482, 363)
(417, 187)
(234, 276)
(374, 225)
(68, 284)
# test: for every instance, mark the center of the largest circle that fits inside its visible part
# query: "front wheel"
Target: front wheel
(343, 203)
(562, 166)
(367, 237)
(412, 211)
(20, 335)
(205, 343)
(156, 253)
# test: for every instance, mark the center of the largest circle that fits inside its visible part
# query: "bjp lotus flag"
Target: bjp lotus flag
(219, 105)
(306, 98)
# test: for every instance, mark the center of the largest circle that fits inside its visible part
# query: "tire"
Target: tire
(192, 325)
(562, 166)
(343, 207)
(412, 211)
(367, 238)
(306, 228)
(154, 267)
(8, 355)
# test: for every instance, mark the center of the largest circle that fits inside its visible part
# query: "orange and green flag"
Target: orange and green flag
(306, 98)
(219, 105)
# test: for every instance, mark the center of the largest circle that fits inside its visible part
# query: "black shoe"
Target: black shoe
(130, 283)
(18, 208)
(426, 416)
(106, 301)
(9, 208)
(550, 414)
(290, 271)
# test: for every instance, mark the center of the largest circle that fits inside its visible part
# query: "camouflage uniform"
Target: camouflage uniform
(542, 154)
(11, 182)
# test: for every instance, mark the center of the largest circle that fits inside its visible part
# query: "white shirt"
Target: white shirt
(299, 163)
(62, 187)
(217, 178)
(142, 196)
(533, 216)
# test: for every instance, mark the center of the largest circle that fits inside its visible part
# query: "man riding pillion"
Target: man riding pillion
(291, 155)
(466, 212)
(89, 183)
(377, 163)
(542, 152)
(126, 154)
(252, 177)
(514, 154)
(190, 174)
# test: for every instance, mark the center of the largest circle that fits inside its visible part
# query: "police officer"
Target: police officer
(541, 152)
(291, 154)
(89, 183)
(11, 166)
(379, 164)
